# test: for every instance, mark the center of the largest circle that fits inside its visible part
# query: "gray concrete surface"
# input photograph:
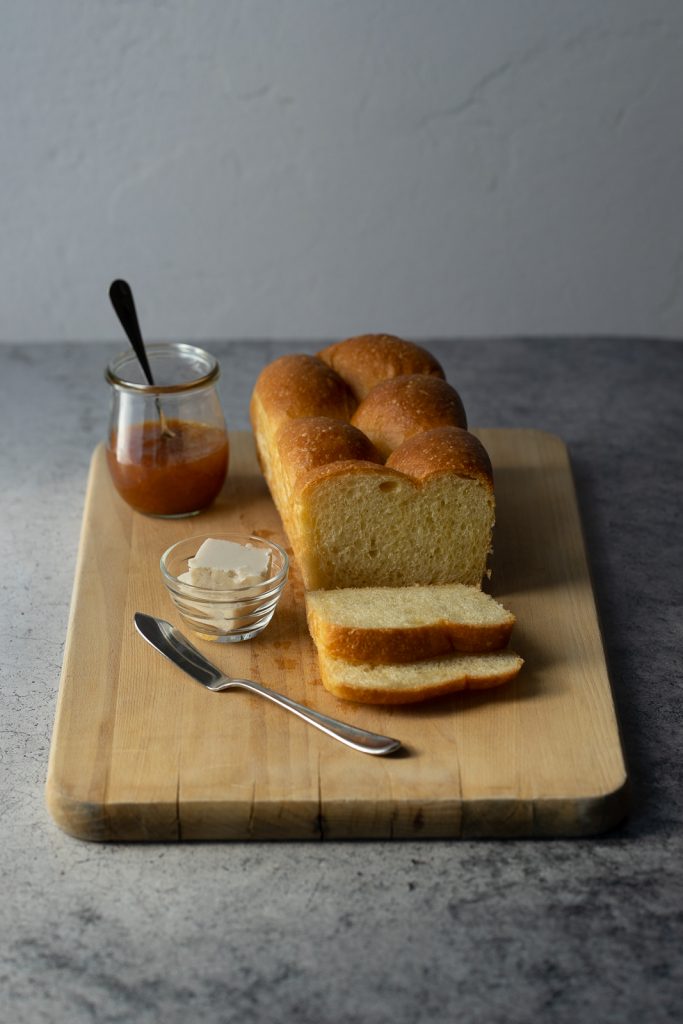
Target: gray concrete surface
(364, 932)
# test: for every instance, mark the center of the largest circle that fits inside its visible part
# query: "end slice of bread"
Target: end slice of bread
(394, 625)
(416, 681)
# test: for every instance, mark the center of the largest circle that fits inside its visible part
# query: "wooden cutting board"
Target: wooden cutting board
(140, 751)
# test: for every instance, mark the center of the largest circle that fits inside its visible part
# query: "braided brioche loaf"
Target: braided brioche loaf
(371, 467)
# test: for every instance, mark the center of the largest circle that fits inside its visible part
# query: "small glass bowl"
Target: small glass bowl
(224, 616)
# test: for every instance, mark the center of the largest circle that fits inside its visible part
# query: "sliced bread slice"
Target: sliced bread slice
(392, 625)
(416, 681)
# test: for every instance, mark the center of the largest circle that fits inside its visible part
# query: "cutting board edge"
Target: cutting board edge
(584, 815)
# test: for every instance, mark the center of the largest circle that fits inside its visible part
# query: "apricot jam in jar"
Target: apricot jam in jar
(168, 447)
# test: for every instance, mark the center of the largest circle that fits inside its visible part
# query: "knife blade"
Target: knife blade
(170, 642)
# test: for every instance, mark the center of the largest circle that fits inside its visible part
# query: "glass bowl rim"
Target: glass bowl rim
(271, 582)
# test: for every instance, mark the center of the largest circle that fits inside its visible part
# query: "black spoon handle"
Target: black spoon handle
(124, 306)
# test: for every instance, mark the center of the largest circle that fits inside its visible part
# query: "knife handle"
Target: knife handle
(359, 739)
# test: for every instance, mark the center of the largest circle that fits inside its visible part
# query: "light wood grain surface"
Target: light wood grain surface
(139, 751)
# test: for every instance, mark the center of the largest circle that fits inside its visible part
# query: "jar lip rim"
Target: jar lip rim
(182, 348)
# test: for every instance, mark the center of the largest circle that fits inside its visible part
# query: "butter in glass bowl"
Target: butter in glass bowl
(226, 587)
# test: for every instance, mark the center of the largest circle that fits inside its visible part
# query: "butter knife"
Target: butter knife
(170, 642)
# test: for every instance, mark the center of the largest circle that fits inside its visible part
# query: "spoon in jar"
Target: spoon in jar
(124, 306)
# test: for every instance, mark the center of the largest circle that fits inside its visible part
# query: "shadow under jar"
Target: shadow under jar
(168, 447)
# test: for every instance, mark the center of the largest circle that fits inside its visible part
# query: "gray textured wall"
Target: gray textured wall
(310, 168)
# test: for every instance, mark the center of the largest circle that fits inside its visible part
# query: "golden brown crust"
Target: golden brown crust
(397, 409)
(317, 440)
(297, 386)
(365, 361)
(401, 645)
(376, 695)
(443, 450)
(306, 444)
(312, 477)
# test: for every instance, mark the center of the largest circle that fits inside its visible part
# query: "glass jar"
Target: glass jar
(168, 447)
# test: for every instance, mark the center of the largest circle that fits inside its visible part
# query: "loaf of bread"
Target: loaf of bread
(416, 681)
(369, 462)
(394, 625)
